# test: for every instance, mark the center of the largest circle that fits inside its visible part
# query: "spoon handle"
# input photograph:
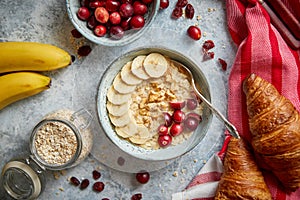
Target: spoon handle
(230, 127)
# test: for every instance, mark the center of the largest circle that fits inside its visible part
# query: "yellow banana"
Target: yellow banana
(20, 85)
(31, 56)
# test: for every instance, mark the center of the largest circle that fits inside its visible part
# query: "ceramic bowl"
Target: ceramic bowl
(136, 151)
(129, 36)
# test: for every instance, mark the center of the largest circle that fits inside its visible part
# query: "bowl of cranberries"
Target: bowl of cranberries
(112, 22)
(146, 106)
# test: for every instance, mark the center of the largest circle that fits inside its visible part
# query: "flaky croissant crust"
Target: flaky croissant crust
(242, 178)
(275, 127)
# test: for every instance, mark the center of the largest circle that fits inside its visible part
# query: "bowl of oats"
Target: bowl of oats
(147, 107)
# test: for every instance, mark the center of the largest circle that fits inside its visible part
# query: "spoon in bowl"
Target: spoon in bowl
(230, 127)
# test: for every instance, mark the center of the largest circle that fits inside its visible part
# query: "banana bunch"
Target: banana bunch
(19, 62)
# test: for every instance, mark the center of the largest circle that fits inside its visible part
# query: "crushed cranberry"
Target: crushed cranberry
(84, 50)
(96, 174)
(223, 63)
(189, 11)
(209, 55)
(137, 196)
(98, 186)
(84, 184)
(74, 181)
(208, 44)
(76, 34)
(177, 12)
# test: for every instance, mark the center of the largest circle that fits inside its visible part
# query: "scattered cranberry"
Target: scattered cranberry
(126, 10)
(84, 50)
(189, 11)
(177, 105)
(168, 119)
(176, 129)
(223, 63)
(164, 140)
(178, 116)
(194, 32)
(192, 104)
(164, 4)
(142, 177)
(137, 196)
(105, 199)
(76, 34)
(83, 13)
(208, 44)
(137, 21)
(74, 181)
(101, 15)
(116, 32)
(84, 183)
(115, 18)
(163, 130)
(181, 3)
(191, 123)
(98, 186)
(177, 12)
(112, 5)
(139, 8)
(100, 30)
(209, 55)
(96, 174)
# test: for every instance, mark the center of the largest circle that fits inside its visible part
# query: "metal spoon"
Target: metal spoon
(230, 127)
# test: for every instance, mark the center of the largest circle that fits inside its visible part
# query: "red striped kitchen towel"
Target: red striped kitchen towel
(261, 50)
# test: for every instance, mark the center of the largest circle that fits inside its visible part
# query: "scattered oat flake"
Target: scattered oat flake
(175, 174)
(199, 17)
(204, 161)
(195, 160)
(61, 189)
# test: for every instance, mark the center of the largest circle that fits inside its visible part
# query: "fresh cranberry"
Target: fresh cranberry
(98, 186)
(83, 13)
(147, 1)
(139, 8)
(208, 44)
(164, 4)
(137, 21)
(176, 129)
(137, 196)
(92, 22)
(74, 181)
(112, 5)
(84, 183)
(84, 3)
(177, 104)
(181, 3)
(191, 104)
(84, 50)
(127, 1)
(177, 12)
(164, 140)
(76, 34)
(191, 123)
(142, 177)
(96, 4)
(163, 130)
(223, 63)
(194, 115)
(125, 24)
(116, 32)
(168, 119)
(189, 11)
(194, 32)
(115, 18)
(100, 30)
(178, 116)
(101, 15)
(96, 174)
(126, 10)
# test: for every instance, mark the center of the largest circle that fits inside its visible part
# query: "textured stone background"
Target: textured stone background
(76, 87)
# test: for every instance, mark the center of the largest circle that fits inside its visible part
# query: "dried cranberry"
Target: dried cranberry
(189, 11)
(84, 183)
(96, 174)
(98, 186)
(177, 12)
(209, 55)
(137, 196)
(74, 181)
(223, 63)
(181, 3)
(84, 50)
(142, 177)
(208, 44)
(76, 34)
(164, 4)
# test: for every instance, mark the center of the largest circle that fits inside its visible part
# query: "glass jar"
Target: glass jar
(60, 141)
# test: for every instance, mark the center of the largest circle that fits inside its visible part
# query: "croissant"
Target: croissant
(242, 178)
(275, 128)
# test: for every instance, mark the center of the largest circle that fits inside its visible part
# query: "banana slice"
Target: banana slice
(120, 120)
(116, 98)
(117, 110)
(155, 65)
(121, 86)
(138, 69)
(138, 140)
(128, 77)
(143, 132)
(130, 129)
(121, 133)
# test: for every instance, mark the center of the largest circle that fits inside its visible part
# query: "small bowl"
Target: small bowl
(129, 36)
(136, 151)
